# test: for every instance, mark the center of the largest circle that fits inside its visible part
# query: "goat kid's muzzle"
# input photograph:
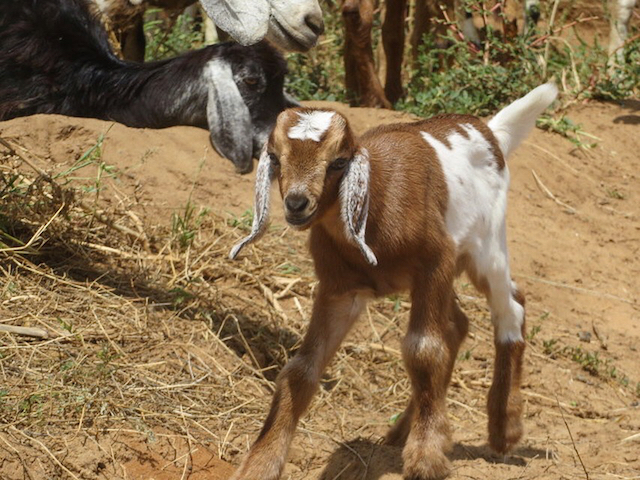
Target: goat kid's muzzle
(299, 209)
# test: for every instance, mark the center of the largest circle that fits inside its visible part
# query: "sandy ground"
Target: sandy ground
(574, 239)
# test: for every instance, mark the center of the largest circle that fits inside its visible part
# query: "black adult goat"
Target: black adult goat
(55, 58)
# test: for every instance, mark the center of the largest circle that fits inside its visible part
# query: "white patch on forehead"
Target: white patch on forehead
(311, 125)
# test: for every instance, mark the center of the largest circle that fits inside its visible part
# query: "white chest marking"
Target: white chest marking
(311, 126)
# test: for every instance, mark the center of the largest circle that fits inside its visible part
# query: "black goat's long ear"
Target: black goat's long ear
(228, 116)
(247, 21)
(354, 198)
(264, 178)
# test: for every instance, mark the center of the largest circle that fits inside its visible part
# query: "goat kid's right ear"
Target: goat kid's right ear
(265, 175)
(354, 198)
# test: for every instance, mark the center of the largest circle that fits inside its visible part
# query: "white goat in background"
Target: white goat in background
(290, 24)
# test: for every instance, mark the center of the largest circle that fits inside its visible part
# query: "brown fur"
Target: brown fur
(406, 230)
(393, 37)
(360, 73)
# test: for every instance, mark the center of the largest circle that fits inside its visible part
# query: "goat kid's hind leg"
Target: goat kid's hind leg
(429, 351)
(490, 273)
(458, 330)
(333, 316)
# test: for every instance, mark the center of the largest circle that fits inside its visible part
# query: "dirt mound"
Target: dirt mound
(165, 352)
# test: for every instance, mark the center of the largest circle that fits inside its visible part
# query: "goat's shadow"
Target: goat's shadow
(633, 118)
(363, 459)
(265, 339)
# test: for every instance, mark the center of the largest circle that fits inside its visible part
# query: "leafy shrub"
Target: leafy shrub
(319, 73)
(167, 38)
(458, 80)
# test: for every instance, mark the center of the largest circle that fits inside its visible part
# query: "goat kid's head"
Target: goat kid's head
(290, 24)
(314, 156)
(246, 94)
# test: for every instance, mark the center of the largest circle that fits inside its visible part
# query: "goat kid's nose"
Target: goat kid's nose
(296, 203)
(315, 24)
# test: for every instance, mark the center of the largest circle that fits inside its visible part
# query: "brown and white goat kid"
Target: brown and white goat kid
(404, 207)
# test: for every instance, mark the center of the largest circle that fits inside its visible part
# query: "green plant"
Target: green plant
(243, 222)
(461, 78)
(533, 332)
(169, 38)
(615, 194)
(319, 74)
(289, 269)
(549, 346)
(67, 326)
(565, 127)
(93, 154)
(466, 355)
(185, 225)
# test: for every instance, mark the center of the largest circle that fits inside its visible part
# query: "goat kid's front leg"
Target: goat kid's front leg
(429, 351)
(333, 315)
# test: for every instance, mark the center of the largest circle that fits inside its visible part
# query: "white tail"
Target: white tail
(513, 123)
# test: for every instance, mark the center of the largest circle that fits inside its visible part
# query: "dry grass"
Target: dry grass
(162, 342)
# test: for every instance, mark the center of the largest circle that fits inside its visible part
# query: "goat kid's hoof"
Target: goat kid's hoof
(424, 464)
(432, 467)
(256, 471)
(503, 438)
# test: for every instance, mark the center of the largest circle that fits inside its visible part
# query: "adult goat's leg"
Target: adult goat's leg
(429, 350)
(333, 316)
(393, 43)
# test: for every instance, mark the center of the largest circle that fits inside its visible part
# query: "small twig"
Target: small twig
(578, 289)
(572, 440)
(26, 331)
(36, 235)
(546, 191)
(47, 451)
(106, 221)
(13, 151)
(555, 33)
(596, 332)
(123, 254)
(635, 436)
(546, 47)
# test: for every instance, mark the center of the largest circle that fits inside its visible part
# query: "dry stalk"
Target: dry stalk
(573, 443)
(26, 331)
(546, 191)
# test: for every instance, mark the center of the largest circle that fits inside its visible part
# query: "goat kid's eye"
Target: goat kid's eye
(274, 160)
(251, 81)
(338, 164)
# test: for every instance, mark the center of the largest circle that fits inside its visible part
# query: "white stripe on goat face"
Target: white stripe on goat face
(311, 126)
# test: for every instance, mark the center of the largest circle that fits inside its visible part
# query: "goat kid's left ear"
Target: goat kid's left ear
(354, 198)
(229, 119)
(265, 175)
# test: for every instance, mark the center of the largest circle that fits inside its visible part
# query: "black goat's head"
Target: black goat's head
(246, 94)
